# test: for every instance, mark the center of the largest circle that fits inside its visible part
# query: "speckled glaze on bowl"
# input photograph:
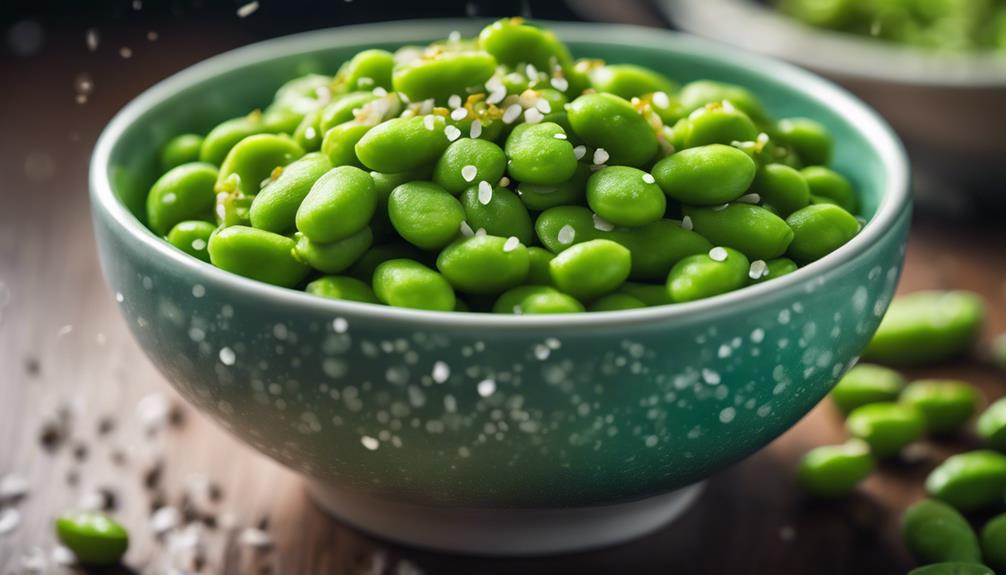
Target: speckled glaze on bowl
(504, 426)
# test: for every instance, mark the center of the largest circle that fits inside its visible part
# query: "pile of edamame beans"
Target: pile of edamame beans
(499, 174)
(885, 414)
(941, 25)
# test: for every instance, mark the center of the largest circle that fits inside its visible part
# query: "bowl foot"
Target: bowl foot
(504, 531)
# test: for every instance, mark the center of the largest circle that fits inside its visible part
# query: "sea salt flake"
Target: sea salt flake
(758, 269)
(469, 172)
(686, 223)
(476, 129)
(10, 518)
(12, 488)
(452, 133)
(466, 230)
(559, 83)
(718, 254)
(559, 136)
(511, 113)
(511, 244)
(749, 199)
(454, 101)
(600, 156)
(428, 123)
(661, 100)
(602, 224)
(580, 151)
(543, 106)
(566, 235)
(459, 114)
(255, 538)
(533, 116)
(485, 193)
(340, 325)
(649, 179)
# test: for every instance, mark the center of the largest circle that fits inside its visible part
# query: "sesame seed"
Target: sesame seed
(531, 71)
(247, 9)
(476, 129)
(648, 178)
(511, 244)
(602, 224)
(559, 136)
(533, 116)
(454, 101)
(566, 235)
(543, 106)
(661, 100)
(580, 151)
(758, 269)
(749, 199)
(485, 193)
(466, 230)
(428, 122)
(559, 83)
(469, 172)
(718, 254)
(459, 114)
(452, 133)
(511, 113)
(600, 156)
(496, 96)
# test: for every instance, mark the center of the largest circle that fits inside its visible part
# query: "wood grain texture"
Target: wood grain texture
(63, 343)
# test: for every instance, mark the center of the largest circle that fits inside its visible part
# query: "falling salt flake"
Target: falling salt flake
(559, 136)
(65, 330)
(749, 199)
(649, 179)
(164, 519)
(485, 193)
(559, 83)
(466, 230)
(542, 351)
(255, 538)
(459, 114)
(533, 116)
(370, 442)
(566, 235)
(543, 106)
(710, 376)
(511, 244)
(580, 152)
(600, 156)
(661, 100)
(454, 102)
(441, 371)
(511, 114)
(428, 122)
(91, 39)
(469, 172)
(10, 518)
(718, 254)
(247, 10)
(602, 224)
(12, 488)
(452, 133)
(758, 269)
(486, 387)
(340, 325)
(227, 356)
(126, 52)
(686, 223)
(476, 129)
(198, 291)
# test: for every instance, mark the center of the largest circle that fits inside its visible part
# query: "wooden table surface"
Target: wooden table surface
(64, 349)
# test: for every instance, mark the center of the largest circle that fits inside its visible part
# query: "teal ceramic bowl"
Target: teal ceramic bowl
(490, 433)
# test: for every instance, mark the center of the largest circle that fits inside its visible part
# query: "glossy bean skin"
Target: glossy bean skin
(591, 269)
(935, 532)
(333, 257)
(835, 470)
(340, 203)
(425, 214)
(443, 74)
(183, 193)
(571, 192)
(809, 139)
(342, 287)
(970, 481)
(219, 141)
(339, 143)
(946, 405)
(504, 215)
(991, 425)
(781, 188)
(927, 327)
(616, 302)
(192, 237)
(952, 568)
(629, 81)
(826, 184)
(513, 42)
(994, 541)
(410, 284)
(487, 159)
(578, 222)
(274, 208)
(700, 276)
(699, 93)
(403, 144)
(865, 384)
(364, 267)
(609, 122)
(254, 160)
(819, 230)
(340, 110)
(886, 427)
(776, 268)
(182, 149)
(536, 156)
(658, 246)
(535, 300)
(367, 70)
(257, 254)
(650, 294)
(752, 230)
(706, 175)
(94, 538)
(625, 196)
(483, 264)
(538, 271)
(719, 123)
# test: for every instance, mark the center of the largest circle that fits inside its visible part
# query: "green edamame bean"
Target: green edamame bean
(629, 81)
(886, 427)
(808, 138)
(252, 162)
(697, 94)
(342, 287)
(182, 149)
(818, 230)
(484, 264)
(334, 257)
(341, 203)
(609, 122)
(591, 269)
(94, 538)
(509, 301)
(183, 193)
(425, 214)
(274, 209)
(549, 303)
(970, 481)
(952, 568)
(403, 144)
(994, 542)
(926, 327)
(340, 110)
(625, 196)
(537, 156)
(308, 134)
(835, 470)
(865, 384)
(830, 185)
(339, 144)
(656, 247)
(615, 302)
(364, 267)
(225, 135)
(935, 532)
(946, 405)
(192, 237)
(466, 162)
(775, 268)
(257, 254)
(570, 192)
(303, 94)
(367, 70)
(991, 425)
(501, 214)
(650, 294)
(560, 227)
(706, 175)
(782, 188)
(700, 276)
(538, 271)
(749, 229)
(280, 120)
(443, 74)
(410, 284)
(719, 123)
(513, 42)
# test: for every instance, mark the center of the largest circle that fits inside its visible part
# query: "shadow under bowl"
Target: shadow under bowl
(521, 429)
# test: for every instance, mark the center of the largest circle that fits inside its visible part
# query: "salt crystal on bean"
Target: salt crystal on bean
(485, 193)
(466, 230)
(758, 269)
(648, 178)
(661, 99)
(600, 156)
(559, 83)
(566, 235)
(476, 129)
(511, 113)
(428, 122)
(459, 114)
(749, 199)
(543, 106)
(454, 101)
(452, 133)
(511, 244)
(580, 151)
(718, 254)
(686, 223)
(469, 172)
(602, 224)
(533, 116)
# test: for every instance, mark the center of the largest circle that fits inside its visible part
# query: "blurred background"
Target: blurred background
(77, 399)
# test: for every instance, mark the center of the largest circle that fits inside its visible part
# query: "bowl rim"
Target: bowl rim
(756, 27)
(894, 201)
